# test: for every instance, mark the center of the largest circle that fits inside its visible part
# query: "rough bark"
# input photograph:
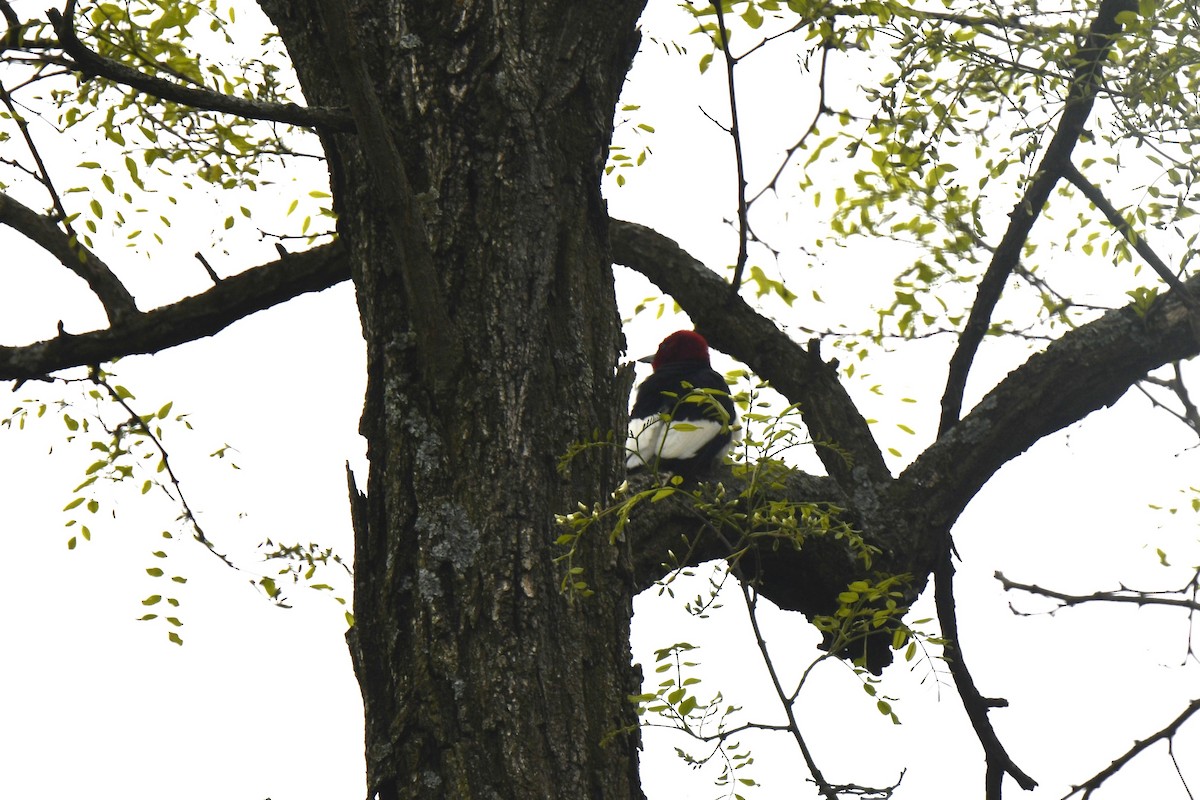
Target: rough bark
(479, 679)
(472, 224)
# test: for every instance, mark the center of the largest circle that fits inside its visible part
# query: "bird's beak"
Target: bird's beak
(646, 360)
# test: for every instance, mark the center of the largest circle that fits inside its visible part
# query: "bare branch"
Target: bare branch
(44, 231)
(997, 759)
(1122, 595)
(750, 597)
(822, 108)
(189, 319)
(1057, 158)
(1114, 217)
(1191, 414)
(735, 133)
(92, 64)
(1168, 733)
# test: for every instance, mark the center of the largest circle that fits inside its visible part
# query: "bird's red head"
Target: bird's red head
(681, 346)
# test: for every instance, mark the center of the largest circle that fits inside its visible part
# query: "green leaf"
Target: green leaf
(753, 17)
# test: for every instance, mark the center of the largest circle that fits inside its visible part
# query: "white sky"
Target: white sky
(261, 702)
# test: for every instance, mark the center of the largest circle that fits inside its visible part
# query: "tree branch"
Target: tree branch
(92, 64)
(1115, 218)
(1122, 595)
(1191, 414)
(187, 320)
(998, 761)
(670, 534)
(733, 327)
(43, 231)
(735, 133)
(1093, 783)
(1055, 161)
(1088, 368)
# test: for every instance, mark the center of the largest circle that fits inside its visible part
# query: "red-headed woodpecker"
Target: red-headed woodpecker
(683, 415)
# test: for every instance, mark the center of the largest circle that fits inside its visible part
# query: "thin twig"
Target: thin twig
(751, 602)
(1121, 595)
(1118, 221)
(1178, 771)
(735, 133)
(140, 425)
(812, 126)
(212, 274)
(1191, 414)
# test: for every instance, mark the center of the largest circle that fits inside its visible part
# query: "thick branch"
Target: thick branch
(43, 231)
(1055, 162)
(733, 327)
(90, 63)
(1088, 368)
(187, 320)
(671, 533)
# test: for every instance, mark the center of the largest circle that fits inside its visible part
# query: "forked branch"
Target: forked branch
(1056, 160)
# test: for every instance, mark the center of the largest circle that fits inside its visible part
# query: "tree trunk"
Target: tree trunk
(479, 679)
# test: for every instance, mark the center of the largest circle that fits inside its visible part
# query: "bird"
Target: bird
(683, 416)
